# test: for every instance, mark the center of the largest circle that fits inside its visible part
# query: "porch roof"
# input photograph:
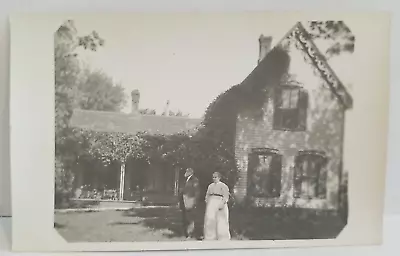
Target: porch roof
(104, 121)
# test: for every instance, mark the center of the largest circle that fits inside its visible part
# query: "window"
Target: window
(310, 175)
(264, 173)
(290, 112)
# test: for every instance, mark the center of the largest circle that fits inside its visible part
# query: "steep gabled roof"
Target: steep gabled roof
(269, 71)
(318, 60)
(104, 121)
(249, 94)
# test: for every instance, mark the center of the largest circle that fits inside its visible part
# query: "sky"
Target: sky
(188, 59)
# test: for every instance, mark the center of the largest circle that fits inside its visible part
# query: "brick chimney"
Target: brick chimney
(166, 109)
(135, 94)
(265, 46)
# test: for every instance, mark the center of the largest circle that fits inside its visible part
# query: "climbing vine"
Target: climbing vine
(208, 148)
(112, 146)
(115, 146)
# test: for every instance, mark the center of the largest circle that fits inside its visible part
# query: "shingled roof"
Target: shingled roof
(104, 121)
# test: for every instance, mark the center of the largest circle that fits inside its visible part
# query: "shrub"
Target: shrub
(64, 179)
(344, 198)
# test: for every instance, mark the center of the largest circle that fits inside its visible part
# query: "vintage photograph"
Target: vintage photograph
(180, 132)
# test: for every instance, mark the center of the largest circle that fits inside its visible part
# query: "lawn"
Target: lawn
(164, 223)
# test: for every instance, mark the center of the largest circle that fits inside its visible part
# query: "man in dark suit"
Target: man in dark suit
(188, 201)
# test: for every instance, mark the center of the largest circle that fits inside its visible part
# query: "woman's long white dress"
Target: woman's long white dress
(216, 220)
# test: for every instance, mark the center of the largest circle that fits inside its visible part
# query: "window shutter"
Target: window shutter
(278, 97)
(298, 173)
(251, 171)
(322, 179)
(302, 109)
(277, 108)
(276, 175)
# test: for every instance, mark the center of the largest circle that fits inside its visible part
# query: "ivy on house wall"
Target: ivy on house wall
(206, 149)
(212, 147)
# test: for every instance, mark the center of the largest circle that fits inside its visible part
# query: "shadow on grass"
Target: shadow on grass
(119, 223)
(58, 226)
(167, 218)
(250, 223)
(284, 224)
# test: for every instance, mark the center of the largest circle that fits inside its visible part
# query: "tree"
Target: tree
(337, 32)
(76, 88)
(98, 92)
(67, 72)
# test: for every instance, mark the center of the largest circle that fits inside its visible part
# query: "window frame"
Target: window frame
(274, 190)
(320, 178)
(281, 113)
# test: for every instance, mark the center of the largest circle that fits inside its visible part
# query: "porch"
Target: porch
(131, 183)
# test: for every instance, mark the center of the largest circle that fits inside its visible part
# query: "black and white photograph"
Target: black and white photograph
(202, 130)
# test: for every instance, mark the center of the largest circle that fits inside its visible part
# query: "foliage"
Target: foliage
(98, 92)
(88, 192)
(67, 72)
(63, 183)
(94, 90)
(148, 111)
(337, 32)
(212, 148)
(344, 198)
(167, 148)
(178, 113)
(112, 146)
(77, 87)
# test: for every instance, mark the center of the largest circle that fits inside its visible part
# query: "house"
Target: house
(281, 129)
(286, 126)
(128, 176)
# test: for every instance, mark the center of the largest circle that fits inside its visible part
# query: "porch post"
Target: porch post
(176, 182)
(122, 182)
(79, 172)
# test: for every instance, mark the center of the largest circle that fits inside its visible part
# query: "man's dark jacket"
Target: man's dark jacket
(189, 195)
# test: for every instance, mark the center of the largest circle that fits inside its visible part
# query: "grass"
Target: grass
(164, 224)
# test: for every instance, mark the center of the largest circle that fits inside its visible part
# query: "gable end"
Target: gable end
(318, 60)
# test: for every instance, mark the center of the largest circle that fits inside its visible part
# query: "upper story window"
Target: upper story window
(290, 108)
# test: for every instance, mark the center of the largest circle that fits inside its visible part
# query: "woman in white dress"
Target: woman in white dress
(216, 220)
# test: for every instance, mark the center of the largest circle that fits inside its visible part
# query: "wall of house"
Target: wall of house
(325, 122)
